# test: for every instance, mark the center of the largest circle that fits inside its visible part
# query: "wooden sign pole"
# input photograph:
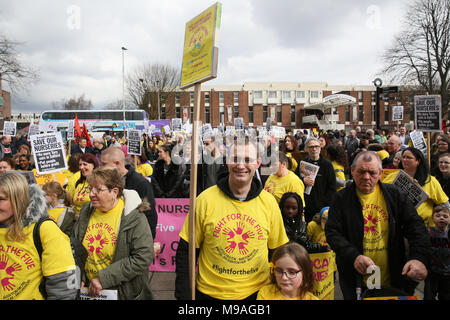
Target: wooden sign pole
(193, 186)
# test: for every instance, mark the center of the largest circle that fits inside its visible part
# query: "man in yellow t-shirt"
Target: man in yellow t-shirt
(277, 186)
(367, 224)
(236, 223)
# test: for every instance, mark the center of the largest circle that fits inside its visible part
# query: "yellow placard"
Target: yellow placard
(42, 179)
(200, 48)
(323, 265)
(387, 172)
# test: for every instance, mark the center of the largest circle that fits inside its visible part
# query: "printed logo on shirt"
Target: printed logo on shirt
(11, 287)
(97, 239)
(374, 218)
(238, 230)
(270, 187)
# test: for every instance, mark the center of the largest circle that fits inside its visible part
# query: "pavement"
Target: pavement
(163, 286)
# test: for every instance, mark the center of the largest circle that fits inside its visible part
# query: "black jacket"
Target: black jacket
(323, 190)
(136, 181)
(169, 185)
(296, 230)
(344, 232)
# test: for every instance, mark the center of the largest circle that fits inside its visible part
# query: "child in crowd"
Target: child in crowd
(58, 207)
(438, 280)
(292, 275)
(316, 227)
(291, 206)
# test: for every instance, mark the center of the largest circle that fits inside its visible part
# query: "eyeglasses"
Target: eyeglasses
(96, 190)
(290, 274)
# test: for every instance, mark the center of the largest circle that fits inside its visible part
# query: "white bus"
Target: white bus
(95, 120)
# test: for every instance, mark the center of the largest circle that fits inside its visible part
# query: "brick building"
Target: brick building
(5, 105)
(285, 102)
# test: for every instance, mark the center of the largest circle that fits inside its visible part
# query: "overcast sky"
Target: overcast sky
(76, 45)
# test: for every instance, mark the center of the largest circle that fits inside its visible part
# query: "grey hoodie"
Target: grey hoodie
(60, 286)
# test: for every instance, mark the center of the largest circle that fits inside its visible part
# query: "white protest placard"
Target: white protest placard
(9, 128)
(397, 113)
(48, 152)
(418, 141)
(34, 129)
(428, 113)
(278, 132)
(187, 127)
(70, 130)
(176, 124)
(103, 295)
(412, 190)
(239, 123)
(134, 142)
(166, 129)
(308, 169)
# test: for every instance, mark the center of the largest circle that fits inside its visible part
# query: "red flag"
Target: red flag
(76, 130)
(85, 134)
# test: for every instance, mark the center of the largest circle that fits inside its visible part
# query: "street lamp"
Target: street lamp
(123, 88)
(159, 107)
(378, 83)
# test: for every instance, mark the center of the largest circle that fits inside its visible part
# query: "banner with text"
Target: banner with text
(171, 216)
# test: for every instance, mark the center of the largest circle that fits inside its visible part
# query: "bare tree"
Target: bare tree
(117, 105)
(420, 53)
(149, 86)
(13, 71)
(75, 103)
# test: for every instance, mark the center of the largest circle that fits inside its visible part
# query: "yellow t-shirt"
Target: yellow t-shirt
(294, 162)
(234, 237)
(376, 231)
(55, 213)
(70, 187)
(277, 186)
(21, 269)
(145, 169)
(271, 292)
(436, 196)
(316, 233)
(100, 239)
(80, 197)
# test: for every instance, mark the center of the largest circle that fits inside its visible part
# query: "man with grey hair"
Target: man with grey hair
(394, 145)
(323, 186)
(366, 227)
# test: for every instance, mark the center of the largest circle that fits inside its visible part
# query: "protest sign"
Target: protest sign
(171, 216)
(308, 169)
(9, 128)
(176, 124)
(206, 131)
(34, 129)
(70, 130)
(418, 141)
(323, 265)
(48, 152)
(200, 54)
(412, 190)
(428, 113)
(134, 142)
(103, 295)
(239, 123)
(397, 113)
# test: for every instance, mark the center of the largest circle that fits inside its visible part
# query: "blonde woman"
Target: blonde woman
(22, 269)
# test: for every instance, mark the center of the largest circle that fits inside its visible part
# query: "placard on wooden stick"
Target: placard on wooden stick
(200, 60)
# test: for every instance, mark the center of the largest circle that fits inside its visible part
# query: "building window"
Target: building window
(221, 97)
(278, 113)
(286, 94)
(250, 114)
(192, 114)
(386, 112)
(236, 97)
(360, 96)
(373, 113)
(257, 95)
(314, 94)
(292, 113)
(361, 113)
(163, 112)
(207, 117)
(265, 113)
(177, 98)
(272, 94)
(347, 114)
(300, 94)
(192, 97)
(236, 111)
(178, 112)
(222, 114)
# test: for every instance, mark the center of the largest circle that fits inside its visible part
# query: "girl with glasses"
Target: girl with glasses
(291, 275)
